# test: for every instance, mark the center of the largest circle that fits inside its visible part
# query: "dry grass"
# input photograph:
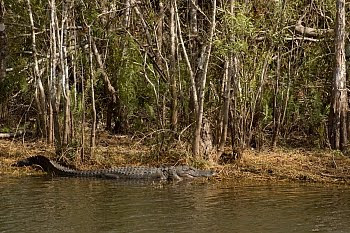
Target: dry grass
(279, 165)
(11, 151)
(295, 164)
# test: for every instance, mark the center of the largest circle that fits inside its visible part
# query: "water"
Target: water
(45, 204)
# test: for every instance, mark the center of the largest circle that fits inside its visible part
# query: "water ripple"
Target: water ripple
(45, 204)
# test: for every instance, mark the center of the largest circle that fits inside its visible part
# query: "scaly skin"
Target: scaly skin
(154, 173)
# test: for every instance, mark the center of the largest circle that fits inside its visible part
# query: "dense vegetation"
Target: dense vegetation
(211, 74)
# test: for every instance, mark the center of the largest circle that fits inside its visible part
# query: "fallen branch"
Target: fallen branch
(311, 32)
(11, 135)
(302, 38)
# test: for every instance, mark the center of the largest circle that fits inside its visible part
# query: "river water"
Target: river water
(45, 204)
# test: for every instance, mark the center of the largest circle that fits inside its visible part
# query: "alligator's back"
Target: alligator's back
(55, 168)
(133, 173)
(160, 173)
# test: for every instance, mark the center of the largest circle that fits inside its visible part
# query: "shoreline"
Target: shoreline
(280, 165)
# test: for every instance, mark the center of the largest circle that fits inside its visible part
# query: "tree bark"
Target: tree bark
(55, 133)
(82, 152)
(159, 32)
(193, 31)
(64, 71)
(229, 74)
(93, 126)
(40, 92)
(187, 59)
(173, 73)
(201, 87)
(2, 41)
(226, 104)
(339, 101)
(276, 109)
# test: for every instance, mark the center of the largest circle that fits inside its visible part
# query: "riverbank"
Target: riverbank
(314, 166)
(303, 165)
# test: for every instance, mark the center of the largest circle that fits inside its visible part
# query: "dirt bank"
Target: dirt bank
(279, 165)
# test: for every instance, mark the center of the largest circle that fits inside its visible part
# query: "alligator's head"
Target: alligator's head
(191, 172)
(39, 160)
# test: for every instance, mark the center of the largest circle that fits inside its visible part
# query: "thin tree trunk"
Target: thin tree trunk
(187, 59)
(41, 99)
(193, 47)
(229, 73)
(93, 126)
(159, 32)
(173, 73)
(64, 70)
(201, 89)
(2, 41)
(193, 31)
(276, 109)
(159, 43)
(226, 104)
(55, 100)
(339, 101)
(73, 58)
(82, 154)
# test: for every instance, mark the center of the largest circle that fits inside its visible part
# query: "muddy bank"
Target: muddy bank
(280, 165)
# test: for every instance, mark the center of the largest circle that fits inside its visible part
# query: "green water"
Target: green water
(45, 204)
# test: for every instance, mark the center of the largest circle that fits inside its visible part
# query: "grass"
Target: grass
(292, 164)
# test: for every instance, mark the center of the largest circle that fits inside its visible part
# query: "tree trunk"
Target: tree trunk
(187, 59)
(226, 104)
(173, 73)
(159, 32)
(229, 74)
(93, 126)
(52, 78)
(276, 109)
(193, 32)
(339, 101)
(201, 87)
(40, 92)
(55, 133)
(82, 152)
(194, 48)
(65, 74)
(2, 42)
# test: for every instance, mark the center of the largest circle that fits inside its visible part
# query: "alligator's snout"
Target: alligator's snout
(213, 173)
(207, 173)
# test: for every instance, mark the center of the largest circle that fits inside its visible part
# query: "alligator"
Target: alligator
(154, 173)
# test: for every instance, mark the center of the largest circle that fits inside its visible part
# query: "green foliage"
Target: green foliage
(5, 129)
(240, 23)
(238, 29)
(256, 34)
